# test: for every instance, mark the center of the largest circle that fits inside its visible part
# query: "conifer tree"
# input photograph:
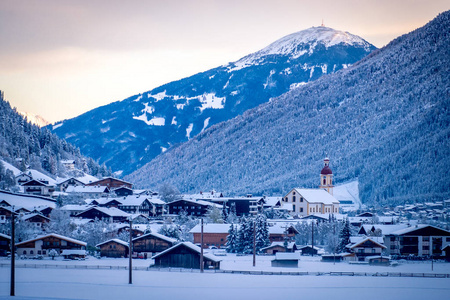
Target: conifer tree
(262, 232)
(344, 237)
(232, 239)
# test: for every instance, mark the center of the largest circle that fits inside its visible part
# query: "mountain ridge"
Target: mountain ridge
(127, 134)
(379, 121)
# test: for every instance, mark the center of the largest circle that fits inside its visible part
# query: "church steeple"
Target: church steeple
(326, 177)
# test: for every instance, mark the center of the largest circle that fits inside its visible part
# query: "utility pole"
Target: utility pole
(254, 243)
(13, 254)
(130, 254)
(201, 247)
(312, 237)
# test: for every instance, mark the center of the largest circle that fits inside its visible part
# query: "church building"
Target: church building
(307, 202)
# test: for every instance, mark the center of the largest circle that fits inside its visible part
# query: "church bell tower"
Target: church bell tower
(326, 177)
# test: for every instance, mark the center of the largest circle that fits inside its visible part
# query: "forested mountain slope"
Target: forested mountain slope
(385, 121)
(127, 134)
(24, 144)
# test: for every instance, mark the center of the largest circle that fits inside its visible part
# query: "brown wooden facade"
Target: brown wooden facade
(183, 256)
(152, 243)
(113, 248)
(111, 183)
(42, 245)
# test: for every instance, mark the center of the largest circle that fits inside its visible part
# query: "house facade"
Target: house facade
(43, 245)
(111, 183)
(152, 243)
(113, 248)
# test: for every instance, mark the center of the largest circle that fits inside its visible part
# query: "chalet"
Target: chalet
(37, 187)
(419, 240)
(105, 202)
(5, 214)
(278, 232)
(5, 247)
(185, 255)
(309, 250)
(24, 201)
(43, 210)
(213, 235)
(286, 260)
(36, 219)
(42, 245)
(379, 229)
(145, 205)
(90, 191)
(111, 183)
(31, 174)
(73, 254)
(276, 247)
(63, 185)
(69, 164)
(365, 247)
(113, 248)
(105, 214)
(191, 207)
(151, 243)
(74, 209)
(122, 191)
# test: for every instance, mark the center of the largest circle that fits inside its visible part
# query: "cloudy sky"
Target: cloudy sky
(61, 58)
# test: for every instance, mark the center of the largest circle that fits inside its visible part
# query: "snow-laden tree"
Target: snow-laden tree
(214, 215)
(171, 231)
(60, 222)
(168, 192)
(232, 239)
(344, 237)
(262, 232)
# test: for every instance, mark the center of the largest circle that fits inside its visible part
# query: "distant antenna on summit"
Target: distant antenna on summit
(323, 25)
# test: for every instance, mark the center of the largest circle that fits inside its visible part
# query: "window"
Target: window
(360, 250)
(39, 252)
(293, 207)
(25, 252)
(301, 199)
(293, 198)
(373, 250)
(31, 252)
(44, 252)
(301, 209)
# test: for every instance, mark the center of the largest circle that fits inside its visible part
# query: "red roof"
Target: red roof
(326, 171)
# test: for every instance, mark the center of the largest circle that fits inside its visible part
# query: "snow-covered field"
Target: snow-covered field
(58, 283)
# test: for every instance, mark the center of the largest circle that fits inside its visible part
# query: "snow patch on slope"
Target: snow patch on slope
(189, 130)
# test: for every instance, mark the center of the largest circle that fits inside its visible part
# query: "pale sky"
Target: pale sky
(59, 59)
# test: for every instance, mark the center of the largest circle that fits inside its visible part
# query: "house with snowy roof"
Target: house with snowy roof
(185, 255)
(64, 183)
(5, 240)
(111, 183)
(191, 207)
(24, 201)
(36, 187)
(69, 164)
(143, 204)
(106, 214)
(89, 191)
(364, 247)
(113, 248)
(151, 243)
(418, 240)
(43, 244)
(306, 202)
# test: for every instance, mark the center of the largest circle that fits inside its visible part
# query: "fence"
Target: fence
(182, 270)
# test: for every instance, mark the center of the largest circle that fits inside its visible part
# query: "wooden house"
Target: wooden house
(42, 245)
(37, 187)
(35, 218)
(185, 255)
(111, 183)
(152, 243)
(286, 260)
(213, 235)
(103, 213)
(308, 250)
(114, 248)
(5, 247)
(366, 246)
(276, 247)
(123, 191)
(63, 185)
(191, 207)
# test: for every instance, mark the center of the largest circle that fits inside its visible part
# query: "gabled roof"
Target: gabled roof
(156, 235)
(118, 241)
(39, 176)
(201, 202)
(290, 245)
(190, 246)
(87, 189)
(75, 207)
(411, 230)
(65, 238)
(317, 196)
(34, 182)
(25, 200)
(212, 228)
(366, 239)
(29, 216)
(63, 180)
(112, 212)
(5, 236)
(287, 256)
(109, 178)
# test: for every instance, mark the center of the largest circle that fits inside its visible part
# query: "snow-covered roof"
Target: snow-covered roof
(29, 216)
(5, 236)
(364, 239)
(279, 228)
(13, 169)
(65, 238)
(118, 241)
(317, 196)
(211, 228)
(132, 200)
(201, 202)
(86, 178)
(272, 201)
(35, 174)
(73, 252)
(112, 211)
(86, 189)
(26, 201)
(190, 246)
(75, 207)
(79, 221)
(385, 229)
(156, 235)
(290, 245)
(414, 228)
(287, 255)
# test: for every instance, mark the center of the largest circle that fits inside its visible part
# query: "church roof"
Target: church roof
(326, 170)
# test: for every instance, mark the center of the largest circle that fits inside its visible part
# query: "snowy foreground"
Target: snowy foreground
(58, 283)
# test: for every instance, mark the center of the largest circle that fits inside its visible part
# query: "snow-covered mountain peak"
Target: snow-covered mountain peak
(303, 42)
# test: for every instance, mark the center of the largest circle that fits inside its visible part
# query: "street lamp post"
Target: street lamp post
(13, 254)
(130, 247)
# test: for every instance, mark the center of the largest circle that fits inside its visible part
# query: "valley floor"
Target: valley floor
(58, 283)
